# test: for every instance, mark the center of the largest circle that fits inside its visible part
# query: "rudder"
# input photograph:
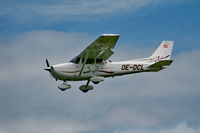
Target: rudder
(164, 51)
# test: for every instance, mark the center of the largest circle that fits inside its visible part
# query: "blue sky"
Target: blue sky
(148, 21)
(163, 102)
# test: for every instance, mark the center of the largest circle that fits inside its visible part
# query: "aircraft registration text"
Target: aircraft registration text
(138, 67)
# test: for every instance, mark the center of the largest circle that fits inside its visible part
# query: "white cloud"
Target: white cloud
(180, 128)
(91, 7)
(26, 53)
(130, 116)
(45, 125)
(73, 10)
(54, 126)
(147, 100)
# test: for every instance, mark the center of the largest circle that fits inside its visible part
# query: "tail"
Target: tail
(161, 58)
(164, 51)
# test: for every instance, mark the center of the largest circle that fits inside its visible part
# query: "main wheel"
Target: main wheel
(84, 91)
(85, 88)
(62, 89)
(95, 82)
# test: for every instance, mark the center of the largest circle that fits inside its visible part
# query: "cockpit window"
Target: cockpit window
(77, 60)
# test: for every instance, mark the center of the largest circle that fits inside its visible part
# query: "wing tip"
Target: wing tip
(110, 34)
(168, 41)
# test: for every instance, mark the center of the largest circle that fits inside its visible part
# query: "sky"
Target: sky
(162, 102)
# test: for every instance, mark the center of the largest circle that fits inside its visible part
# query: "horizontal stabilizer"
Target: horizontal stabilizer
(161, 64)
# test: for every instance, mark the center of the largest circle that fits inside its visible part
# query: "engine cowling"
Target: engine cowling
(97, 79)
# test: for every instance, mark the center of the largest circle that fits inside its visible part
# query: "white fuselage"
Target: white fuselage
(92, 64)
(70, 71)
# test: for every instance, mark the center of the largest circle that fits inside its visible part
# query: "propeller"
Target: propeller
(48, 69)
(47, 62)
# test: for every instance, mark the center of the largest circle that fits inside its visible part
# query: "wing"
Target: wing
(101, 48)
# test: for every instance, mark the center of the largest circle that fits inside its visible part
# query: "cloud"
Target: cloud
(45, 125)
(146, 101)
(91, 7)
(180, 128)
(130, 117)
(70, 10)
(54, 126)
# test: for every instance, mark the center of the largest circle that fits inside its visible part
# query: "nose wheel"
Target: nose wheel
(64, 86)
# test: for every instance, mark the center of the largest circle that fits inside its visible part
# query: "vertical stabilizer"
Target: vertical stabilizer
(164, 51)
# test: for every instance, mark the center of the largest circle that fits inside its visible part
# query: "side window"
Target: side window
(75, 60)
(90, 61)
(99, 61)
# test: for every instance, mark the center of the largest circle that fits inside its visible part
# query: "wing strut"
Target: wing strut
(88, 83)
(86, 57)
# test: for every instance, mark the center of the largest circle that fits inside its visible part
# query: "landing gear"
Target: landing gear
(86, 88)
(95, 82)
(97, 79)
(64, 86)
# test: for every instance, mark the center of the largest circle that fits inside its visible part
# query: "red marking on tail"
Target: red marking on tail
(165, 45)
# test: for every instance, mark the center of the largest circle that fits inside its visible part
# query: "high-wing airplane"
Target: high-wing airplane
(92, 64)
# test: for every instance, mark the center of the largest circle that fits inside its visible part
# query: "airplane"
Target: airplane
(93, 63)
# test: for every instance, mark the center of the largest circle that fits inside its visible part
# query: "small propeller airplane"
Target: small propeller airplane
(92, 64)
